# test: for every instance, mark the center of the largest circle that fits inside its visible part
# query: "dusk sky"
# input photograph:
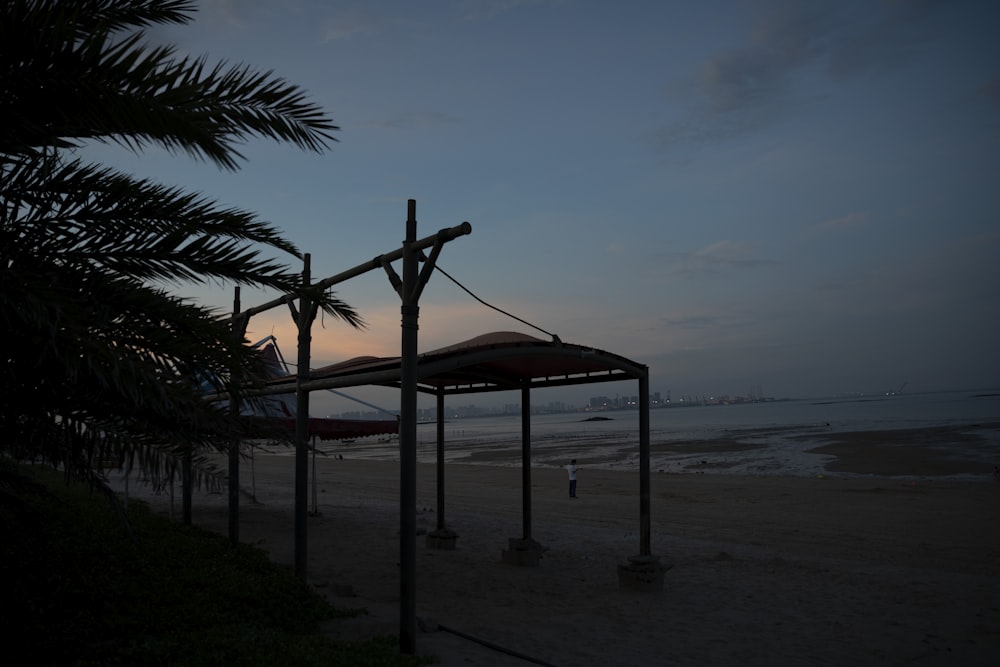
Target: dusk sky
(801, 196)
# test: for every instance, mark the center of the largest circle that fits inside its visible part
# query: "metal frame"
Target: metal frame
(451, 371)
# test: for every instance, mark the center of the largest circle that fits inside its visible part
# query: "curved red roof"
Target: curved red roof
(496, 361)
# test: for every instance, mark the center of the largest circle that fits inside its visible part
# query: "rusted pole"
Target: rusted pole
(234, 444)
(409, 292)
(186, 487)
(526, 461)
(644, 482)
(315, 497)
(440, 461)
(304, 323)
(409, 289)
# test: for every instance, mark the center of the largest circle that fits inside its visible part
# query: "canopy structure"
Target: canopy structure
(329, 429)
(276, 412)
(505, 361)
(500, 361)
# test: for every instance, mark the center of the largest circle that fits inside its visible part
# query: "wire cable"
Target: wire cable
(555, 338)
(495, 647)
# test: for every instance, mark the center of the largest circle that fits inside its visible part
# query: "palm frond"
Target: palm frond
(78, 83)
(72, 212)
(99, 362)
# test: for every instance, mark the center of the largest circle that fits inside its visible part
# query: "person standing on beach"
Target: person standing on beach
(571, 469)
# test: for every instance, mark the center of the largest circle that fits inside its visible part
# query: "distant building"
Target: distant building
(600, 403)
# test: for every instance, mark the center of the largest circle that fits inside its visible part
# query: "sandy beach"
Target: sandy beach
(765, 570)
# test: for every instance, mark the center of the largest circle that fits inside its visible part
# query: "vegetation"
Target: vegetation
(102, 364)
(79, 590)
(100, 361)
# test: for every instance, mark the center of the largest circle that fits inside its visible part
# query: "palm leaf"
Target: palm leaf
(109, 363)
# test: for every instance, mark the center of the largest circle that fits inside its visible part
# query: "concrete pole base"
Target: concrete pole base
(522, 551)
(442, 538)
(642, 573)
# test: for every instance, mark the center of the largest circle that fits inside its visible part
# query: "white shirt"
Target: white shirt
(571, 469)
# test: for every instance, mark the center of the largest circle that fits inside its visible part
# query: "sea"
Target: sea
(783, 432)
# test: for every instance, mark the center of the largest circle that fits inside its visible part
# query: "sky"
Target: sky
(800, 197)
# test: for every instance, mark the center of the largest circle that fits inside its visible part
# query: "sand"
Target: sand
(766, 570)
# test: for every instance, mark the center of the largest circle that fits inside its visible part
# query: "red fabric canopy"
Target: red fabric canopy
(275, 415)
(338, 429)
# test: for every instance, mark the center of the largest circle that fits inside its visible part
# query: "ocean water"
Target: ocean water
(783, 431)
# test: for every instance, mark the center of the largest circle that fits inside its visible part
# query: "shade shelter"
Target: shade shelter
(275, 413)
(505, 361)
(496, 362)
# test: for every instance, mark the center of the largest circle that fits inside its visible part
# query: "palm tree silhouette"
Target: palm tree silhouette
(99, 357)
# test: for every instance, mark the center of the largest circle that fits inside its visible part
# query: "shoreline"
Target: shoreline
(965, 452)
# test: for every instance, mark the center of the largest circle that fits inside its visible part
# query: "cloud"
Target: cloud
(242, 14)
(352, 23)
(750, 75)
(718, 257)
(228, 12)
(698, 322)
(732, 323)
(747, 86)
(332, 340)
(617, 248)
(883, 38)
(845, 222)
(792, 47)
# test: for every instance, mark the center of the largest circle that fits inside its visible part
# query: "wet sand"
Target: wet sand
(925, 452)
(829, 570)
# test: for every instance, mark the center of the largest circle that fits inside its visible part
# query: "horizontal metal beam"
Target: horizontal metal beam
(592, 378)
(442, 236)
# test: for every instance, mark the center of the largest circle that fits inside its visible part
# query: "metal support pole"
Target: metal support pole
(315, 496)
(526, 462)
(409, 289)
(305, 317)
(644, 571)
(440, 461)
(644, 485)
(234, 445)
(186, 484)
(410, 312)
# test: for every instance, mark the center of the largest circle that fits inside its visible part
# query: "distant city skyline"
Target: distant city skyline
(555, 401)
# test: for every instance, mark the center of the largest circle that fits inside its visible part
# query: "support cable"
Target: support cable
(555, 338)
(495, 647)
(357, 400)
(288, 370)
